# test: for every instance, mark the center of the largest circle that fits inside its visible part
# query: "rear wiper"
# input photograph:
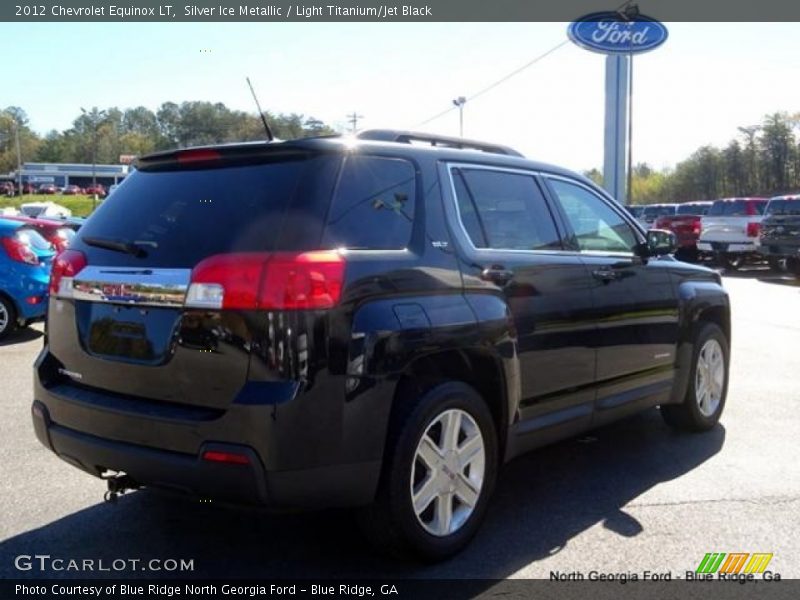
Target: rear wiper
(133, 248)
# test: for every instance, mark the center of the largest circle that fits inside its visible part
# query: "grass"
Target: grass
(80, 205)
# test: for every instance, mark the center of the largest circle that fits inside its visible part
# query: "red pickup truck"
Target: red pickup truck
(685, 224)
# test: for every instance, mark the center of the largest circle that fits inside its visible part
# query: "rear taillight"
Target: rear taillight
(19, 251)
(277, 281)
(231, 458)
(753, 229)
(198, 155)
(66, 266)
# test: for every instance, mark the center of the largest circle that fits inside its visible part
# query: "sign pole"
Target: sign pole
(616, 125)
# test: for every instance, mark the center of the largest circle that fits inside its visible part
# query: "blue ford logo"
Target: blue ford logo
(608, 33)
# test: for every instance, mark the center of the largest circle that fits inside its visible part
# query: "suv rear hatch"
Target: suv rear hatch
(157, 296)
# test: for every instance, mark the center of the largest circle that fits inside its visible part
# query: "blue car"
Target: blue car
(25, 261)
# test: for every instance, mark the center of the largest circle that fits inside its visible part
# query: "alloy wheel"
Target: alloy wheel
(709, 377)
(448, 472)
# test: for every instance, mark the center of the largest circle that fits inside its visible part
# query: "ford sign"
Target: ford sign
(608, 33)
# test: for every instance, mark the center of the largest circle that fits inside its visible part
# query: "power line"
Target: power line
(503, 79)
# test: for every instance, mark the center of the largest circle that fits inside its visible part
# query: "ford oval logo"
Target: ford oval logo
(607, 33)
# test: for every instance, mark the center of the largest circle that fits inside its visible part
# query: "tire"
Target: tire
(8, 317)
(391, 523)
(793, 266)
(776, 265)
(704, 402)
(731, 262)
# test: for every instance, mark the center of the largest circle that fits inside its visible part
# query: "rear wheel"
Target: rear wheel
(440, 469)
(776, 264)
(8, 317)
(733, 262)
(708, 383)
(793, 266)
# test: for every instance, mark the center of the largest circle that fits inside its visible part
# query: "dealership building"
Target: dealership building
(64, 174)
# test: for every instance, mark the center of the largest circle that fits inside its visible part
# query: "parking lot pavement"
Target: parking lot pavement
(626, 498)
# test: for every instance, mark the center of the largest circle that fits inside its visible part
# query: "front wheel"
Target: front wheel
(708, 383)
(440, 469)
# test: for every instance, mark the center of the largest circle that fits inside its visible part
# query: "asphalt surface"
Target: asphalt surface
(630, 497)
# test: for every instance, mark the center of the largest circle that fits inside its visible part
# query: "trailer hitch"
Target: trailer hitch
(118, 484)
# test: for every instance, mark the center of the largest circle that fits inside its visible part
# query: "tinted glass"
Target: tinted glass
(182, 216)
(373, 207)
(784, 207)
(32, 211)
(504, 211)
(655, 211)
(693, 209)
(596, 225)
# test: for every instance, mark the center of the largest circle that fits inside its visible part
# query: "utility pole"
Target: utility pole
(460, 102)
(96, 116)
(353, 118)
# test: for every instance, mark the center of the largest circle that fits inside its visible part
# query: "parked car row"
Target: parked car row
(27, 248)
(731, 231)
(8, 188)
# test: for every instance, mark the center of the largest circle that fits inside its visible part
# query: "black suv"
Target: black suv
(378, 322)
(780, 232)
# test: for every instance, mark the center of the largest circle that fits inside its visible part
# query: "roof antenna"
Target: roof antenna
(270, 137)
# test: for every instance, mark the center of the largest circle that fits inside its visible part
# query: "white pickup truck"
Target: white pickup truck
(730, 229)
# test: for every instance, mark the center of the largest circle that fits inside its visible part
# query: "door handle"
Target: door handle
(606, 275)
(497, 274)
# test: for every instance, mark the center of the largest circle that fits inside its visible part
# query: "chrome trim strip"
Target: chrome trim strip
(141, 287)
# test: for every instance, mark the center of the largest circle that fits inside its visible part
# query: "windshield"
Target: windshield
(784, 206)
(693, 209)
(32, 211)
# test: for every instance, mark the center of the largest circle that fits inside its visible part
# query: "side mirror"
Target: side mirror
(659, 242)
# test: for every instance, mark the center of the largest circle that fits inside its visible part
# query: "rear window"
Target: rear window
(652, 212)
(183, 216)
(33, 239)
(736, 208)
(784, 207)
(693, 209)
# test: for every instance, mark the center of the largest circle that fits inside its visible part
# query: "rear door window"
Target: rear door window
(373, 207)
(504, 211)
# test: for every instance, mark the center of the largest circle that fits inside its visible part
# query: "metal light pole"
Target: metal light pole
(19, 157)
(96, 116)
(460, 102)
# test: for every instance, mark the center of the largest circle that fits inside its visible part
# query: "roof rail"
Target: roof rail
(407, 137)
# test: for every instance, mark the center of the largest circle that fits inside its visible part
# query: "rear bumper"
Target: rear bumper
(779, 250)
(92, 437)
(727, 247)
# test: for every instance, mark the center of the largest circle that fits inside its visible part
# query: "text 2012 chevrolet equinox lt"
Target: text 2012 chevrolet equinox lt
(367, 322)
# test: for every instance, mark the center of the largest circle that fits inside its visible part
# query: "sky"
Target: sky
(696, 89)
